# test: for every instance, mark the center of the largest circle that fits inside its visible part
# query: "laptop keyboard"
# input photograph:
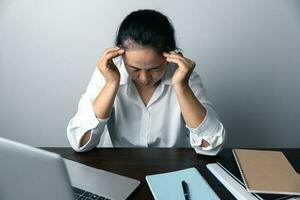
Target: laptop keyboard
(85, 195)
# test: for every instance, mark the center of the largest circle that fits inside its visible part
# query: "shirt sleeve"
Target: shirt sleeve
(85, 118)
(210, 129)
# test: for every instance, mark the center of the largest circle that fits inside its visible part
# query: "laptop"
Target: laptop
(29, 173)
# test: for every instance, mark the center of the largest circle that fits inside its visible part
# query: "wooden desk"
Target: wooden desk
(137, 163)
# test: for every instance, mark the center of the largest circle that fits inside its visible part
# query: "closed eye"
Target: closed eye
(133, 69)
(155, 69)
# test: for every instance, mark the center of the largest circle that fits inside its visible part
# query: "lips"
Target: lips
(146, 83)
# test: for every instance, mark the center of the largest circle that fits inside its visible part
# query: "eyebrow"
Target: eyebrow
(140, 68)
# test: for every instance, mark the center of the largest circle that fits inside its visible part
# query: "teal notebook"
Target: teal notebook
(168, 186)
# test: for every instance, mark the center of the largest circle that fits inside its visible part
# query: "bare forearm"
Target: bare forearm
(102, 106)
(192, 110)
(105, 100)
(103, 103)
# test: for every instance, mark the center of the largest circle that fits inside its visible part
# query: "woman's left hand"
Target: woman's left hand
(184, 69)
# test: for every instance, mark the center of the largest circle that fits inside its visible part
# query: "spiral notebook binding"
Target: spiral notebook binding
(241, 170)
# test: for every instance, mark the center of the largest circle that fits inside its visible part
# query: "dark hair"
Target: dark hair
(146, 28)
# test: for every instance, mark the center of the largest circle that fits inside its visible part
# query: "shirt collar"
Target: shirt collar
(123, 72)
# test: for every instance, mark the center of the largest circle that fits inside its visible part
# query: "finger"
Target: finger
(114, 54)
(165, 54)
(175, 60)
(108, 59)
(173, 53)
(108, 50)
(179, 53)
(184, 60)
(175, 56)
(180, 56)
(176, 53)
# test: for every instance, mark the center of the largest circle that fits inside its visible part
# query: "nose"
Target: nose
(144, 76)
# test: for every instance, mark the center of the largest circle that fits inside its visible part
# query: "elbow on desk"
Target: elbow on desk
(75, 145)
(215, 146)
(211, 152)
(78, 149)
(80, 139)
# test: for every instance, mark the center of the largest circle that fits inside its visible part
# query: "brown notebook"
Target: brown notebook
(267, 172)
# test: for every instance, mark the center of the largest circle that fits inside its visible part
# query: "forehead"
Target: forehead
(142, 57)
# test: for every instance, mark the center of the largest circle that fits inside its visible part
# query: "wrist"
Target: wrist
(112, 87)
(181, 87)
(114, 83)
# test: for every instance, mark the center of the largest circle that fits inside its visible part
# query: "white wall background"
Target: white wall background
(247, 52)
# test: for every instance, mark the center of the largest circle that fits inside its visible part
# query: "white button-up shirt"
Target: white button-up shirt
(132, 124)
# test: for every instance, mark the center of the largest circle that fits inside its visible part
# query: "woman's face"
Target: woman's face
(145, 66)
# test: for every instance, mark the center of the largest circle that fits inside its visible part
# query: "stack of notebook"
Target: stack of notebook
(264, 174)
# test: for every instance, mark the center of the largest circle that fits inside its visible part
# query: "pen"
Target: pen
(185, 190)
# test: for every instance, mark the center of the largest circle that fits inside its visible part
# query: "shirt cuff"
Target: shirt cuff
(82, 123)
(211, 130)
(95, 135)
(102, 120)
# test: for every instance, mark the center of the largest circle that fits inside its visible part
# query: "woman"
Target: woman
(146, 93)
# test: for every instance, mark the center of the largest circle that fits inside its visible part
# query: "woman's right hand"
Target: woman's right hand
(107, 67)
